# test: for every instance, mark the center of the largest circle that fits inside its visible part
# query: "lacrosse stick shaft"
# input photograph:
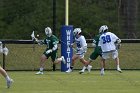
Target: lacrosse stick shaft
(3, 58)
(68, 45)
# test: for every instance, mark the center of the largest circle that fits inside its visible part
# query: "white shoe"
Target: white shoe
(81, 72)
(119, 70)
(69, 70)
(102, 72)
(63, 60)
(9, 82)
(89, 68)
(39, 73)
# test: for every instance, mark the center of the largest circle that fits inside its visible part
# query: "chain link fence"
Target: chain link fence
(27, 57)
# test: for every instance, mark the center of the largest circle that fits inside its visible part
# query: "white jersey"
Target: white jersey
(81, 45)
(107, 41)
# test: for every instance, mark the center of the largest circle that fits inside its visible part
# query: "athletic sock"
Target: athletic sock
(41, 69)
(7, 78)
(84, 67)
(118, 66)
(102, 69)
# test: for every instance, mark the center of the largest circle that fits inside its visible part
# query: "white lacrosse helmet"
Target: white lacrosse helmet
(103, 29)
(48, 31)
(77, 31)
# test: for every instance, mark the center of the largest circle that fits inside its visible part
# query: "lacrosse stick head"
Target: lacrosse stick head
(5, 51)
(33, 35)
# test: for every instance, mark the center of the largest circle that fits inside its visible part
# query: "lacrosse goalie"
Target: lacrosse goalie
(2, 71)
(51, 42)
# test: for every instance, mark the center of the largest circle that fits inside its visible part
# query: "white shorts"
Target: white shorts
(106, 55)
(81, 55)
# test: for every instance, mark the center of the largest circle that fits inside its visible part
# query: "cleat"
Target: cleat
(69, 70)
(9, 83)
(119, 70)
(39, 73)
(63, 60)
(89, 68)
(81, 72)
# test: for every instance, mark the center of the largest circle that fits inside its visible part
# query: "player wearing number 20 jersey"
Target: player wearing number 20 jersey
(107, 41)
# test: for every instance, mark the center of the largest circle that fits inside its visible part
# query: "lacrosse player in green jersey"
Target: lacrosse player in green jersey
(93, 56)
(51, 51)
(2, 71)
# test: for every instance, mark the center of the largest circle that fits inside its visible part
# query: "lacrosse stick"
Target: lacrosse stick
(36, 39)
(33, 37)
(68, 45)
(118, 44)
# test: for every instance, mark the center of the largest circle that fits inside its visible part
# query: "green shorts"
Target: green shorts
(97, 52)
(53, 55)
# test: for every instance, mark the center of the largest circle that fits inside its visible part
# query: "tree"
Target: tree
(128, 17)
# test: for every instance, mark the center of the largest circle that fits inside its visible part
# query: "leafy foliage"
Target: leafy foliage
(20, 17)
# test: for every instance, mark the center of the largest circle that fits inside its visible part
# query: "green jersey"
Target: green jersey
(97, 51)
(51, 41)
(96, 39)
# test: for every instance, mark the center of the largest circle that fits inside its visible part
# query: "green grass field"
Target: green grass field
(60, 82)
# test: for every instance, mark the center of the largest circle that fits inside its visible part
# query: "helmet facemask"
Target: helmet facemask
(76, 32)
(103, 29)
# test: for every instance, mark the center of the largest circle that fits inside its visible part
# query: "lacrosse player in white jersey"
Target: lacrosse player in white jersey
(2, 71)
(108, 42)
(80, 50)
